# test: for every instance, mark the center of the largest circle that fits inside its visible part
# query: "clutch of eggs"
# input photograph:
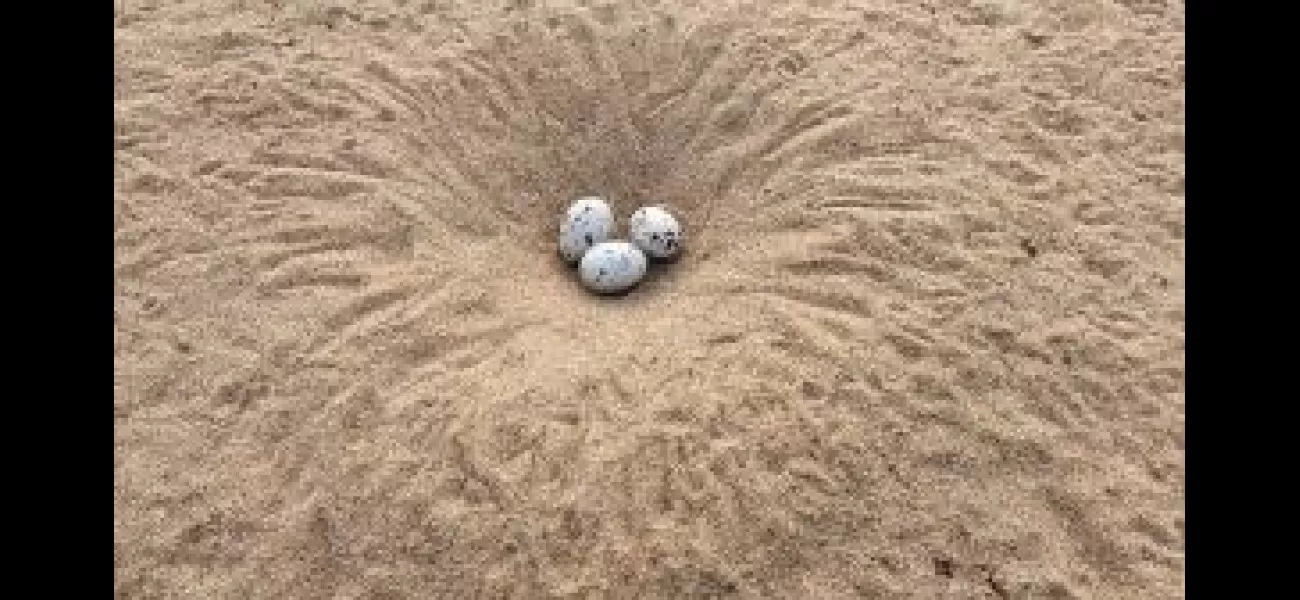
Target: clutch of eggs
(608, 266)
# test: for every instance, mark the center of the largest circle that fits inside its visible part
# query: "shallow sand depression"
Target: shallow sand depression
(926, 339)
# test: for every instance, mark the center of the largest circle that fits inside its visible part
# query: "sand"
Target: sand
(926, 341)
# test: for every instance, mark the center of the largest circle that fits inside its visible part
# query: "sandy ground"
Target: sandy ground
(927, 340)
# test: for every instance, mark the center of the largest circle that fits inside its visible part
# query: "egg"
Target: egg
(589, 221)
(612, 267)
(656, 232)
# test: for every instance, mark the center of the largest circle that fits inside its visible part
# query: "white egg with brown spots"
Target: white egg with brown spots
(612, 267)
(587, 222)
(656, 232)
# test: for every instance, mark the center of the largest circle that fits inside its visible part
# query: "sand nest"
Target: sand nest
(927, 339)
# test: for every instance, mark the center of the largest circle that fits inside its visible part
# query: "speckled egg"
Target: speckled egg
(589, 221)
(612, 267)
(656, 232)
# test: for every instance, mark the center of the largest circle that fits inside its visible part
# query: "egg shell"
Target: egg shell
(612, 267)
(656, 232)
(587, 222)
